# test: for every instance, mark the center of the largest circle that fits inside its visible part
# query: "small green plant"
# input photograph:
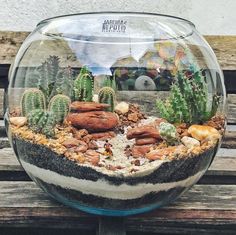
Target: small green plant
(168, 133)
(51, 79)
(32, 99)
(83, 86)
(188, 100)
(60, 106)
(41, 121)
(106, 95)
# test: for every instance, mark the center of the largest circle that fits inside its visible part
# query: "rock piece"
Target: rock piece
(93, 157)
(146, 131)
(200, 132)
(103, 135)
(160, 154)
(190, 142)
(122, 107)
(78, 106)
(79, 134)
(140, 150)
(144, 141)
(72, 142)
(95, 121)
(18, 121)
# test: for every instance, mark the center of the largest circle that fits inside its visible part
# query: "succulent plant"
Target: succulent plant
(188, 100)
(51, 79)
(32, 99)
(60, 106)
(83, 86)
(41, 121)
(106, 95)
(168, 132)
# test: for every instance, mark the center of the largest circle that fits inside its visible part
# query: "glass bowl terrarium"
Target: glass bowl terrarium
(115, 113)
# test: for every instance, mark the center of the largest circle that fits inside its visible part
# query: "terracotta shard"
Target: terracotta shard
(140, 150)
(144, 141)
(103, 135)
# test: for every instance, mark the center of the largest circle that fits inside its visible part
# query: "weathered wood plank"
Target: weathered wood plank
(24, 204)
(223, 46)
(111, 226)
(231, 108)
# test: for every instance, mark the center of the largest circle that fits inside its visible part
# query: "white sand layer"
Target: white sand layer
(102, 188)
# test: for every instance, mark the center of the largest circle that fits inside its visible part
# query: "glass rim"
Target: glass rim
(117, 12)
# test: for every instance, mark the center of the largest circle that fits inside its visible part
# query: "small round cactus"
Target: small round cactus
(32, 99)
(106, 95)
(60, 106)
(168, 132)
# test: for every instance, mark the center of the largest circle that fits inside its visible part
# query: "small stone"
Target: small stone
(122, 107)
(92, 145)
(103, 135)
(93, 157)
(136, 162)
(201, 132)
(79, 134)
(190, 142)
(145, 141)
(145, 131)
(133, 117)
(18, 121)
(72, 142)
(140, 150)
(79, 106)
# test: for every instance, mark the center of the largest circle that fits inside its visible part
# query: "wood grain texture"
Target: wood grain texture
(24, 204)
(223, 46)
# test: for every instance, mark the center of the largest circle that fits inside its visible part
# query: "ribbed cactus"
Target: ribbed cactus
(42, 122)
(188, 100)
(32, 99)
(83, 86)
(60, 106)
(106, 95)
(168, 133)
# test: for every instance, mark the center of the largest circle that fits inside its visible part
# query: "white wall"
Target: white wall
(211, 17)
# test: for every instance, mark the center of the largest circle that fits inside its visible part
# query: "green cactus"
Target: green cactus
(188, 100)
(41, 121)
(83, 86)
(32, 99)
(106, 95)
(168, 133)
(60, 106)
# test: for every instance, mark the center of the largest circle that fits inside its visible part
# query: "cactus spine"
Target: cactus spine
(32, 99)
(106, 95)
(83, 86)
(60, 106)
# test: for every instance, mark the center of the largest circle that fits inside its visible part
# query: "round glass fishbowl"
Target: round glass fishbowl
(115, 113)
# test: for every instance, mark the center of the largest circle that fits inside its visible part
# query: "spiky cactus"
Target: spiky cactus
(41, 121)
(168, 132)
(83, 86)
(106, 95)
(32, 99)
(60, 106)
(188, 100)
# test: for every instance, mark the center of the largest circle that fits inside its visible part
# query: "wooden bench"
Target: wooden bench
(209, 207)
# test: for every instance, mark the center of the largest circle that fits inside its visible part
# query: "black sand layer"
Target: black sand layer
(175, 170)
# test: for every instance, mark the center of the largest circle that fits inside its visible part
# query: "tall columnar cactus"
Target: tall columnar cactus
(60, 106)
(106, 95)
(83, 86)
(41, 121)
(168, 132)
(32, 99)
(188, 100)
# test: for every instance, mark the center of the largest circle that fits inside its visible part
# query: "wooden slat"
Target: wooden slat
(224, 47)
(24, 204)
